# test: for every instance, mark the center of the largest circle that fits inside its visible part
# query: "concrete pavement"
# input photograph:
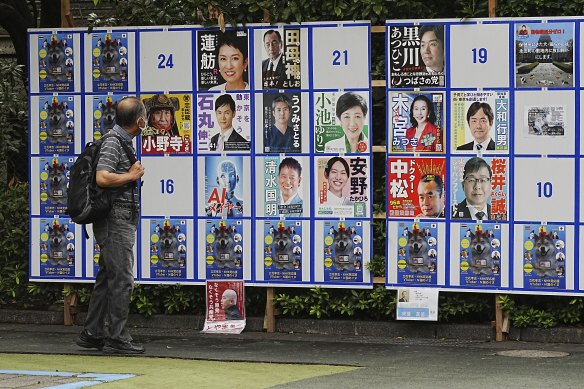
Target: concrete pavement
(387, 361)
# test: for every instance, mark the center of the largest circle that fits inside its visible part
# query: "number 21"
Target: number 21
(337, 57)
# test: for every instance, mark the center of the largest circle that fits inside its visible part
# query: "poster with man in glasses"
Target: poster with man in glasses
(479, 189)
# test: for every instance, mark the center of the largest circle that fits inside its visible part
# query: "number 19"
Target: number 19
(479, 55)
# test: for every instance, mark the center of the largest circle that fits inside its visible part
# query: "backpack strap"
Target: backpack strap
(129, 153)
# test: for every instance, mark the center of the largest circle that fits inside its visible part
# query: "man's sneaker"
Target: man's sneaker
(113, 347)
(87, 340)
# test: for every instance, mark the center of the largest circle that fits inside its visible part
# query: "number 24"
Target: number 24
(165, 62)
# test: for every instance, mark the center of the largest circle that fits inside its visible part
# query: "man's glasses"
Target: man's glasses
(481, 180)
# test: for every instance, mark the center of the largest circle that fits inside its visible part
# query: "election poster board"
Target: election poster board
(497, 102)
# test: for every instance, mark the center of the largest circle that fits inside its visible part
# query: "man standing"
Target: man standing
(229, 305)
(273, 68)
(431, 196)
(115, 234)
(289, 179)
(227, 139)
(476, 183)
(280, 138)
(480, 120)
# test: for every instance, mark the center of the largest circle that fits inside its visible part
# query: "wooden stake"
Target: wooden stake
(69, 306)
(499, 317)
(492, 8)
(270, 316)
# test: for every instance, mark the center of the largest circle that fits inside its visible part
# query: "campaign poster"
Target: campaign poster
(109, 64)
(544, 256)
(341, 122)
(480, 121)
(416, 187)
(417, 122)
(57, 248)
(479, 188)
(283, 186)
(57, 56)
(103, 114)
(283, 250)
(343, 251)
(417, 253)
(223, 122)
(281, 58)
(545, 121)
(342, 187)
(224, 249)
(416, 56)
(222, 60)
(225, 307)
(225, 178)
(54, 184)
(282, 118)
(544, 55)
(57, 118)
(480, 255)
(169, 124)
(168, 248)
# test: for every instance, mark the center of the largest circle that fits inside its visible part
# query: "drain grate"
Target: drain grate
(532, 354)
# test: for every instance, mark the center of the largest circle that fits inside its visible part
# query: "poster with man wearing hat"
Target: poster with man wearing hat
(169, 124)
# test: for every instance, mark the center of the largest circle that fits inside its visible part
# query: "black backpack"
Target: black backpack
(86, 201)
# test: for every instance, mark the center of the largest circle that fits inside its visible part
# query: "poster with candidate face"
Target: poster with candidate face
(222, 60)
(480, 255)
(544, 256)
(282, 51)
(479, 188)
(416, 187)
(416, 56)
(341, 122)
(169, 124)
(417, 122)
(417, 253)
(225, 307)
(284, 187)
(342, 187)
(223, 122)
(480, 121)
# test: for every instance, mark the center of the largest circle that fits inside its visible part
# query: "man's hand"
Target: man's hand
(107, 179)
(136, 171)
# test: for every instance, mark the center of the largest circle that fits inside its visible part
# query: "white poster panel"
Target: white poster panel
(167, 186)
(166, 60)
(545, 122)
(340, 57)
(542, 191)
(479, 56)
